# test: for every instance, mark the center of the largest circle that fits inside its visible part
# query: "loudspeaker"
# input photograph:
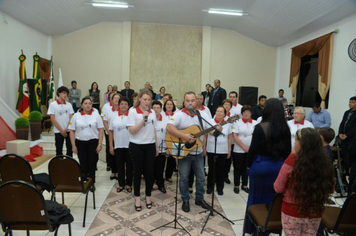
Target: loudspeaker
(248, 95)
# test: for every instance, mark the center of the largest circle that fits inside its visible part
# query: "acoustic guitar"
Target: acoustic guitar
(173, 142)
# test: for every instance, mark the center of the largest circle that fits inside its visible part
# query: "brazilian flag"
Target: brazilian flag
(37, 85)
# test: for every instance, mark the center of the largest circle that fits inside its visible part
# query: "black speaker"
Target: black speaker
(248, 95)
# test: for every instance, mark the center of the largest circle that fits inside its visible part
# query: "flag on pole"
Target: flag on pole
(51, 93)
(60, 80)
(36, 103)
(23, 104)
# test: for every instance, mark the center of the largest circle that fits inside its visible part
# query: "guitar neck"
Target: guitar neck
(197, 135)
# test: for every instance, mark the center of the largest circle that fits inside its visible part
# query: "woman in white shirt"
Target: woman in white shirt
(119, 145)
(86, 133)
(242, 131)
(169, 109)
(223, 145)
(143, 145)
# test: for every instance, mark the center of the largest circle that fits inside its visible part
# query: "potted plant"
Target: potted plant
(22, 128)
(35, 118)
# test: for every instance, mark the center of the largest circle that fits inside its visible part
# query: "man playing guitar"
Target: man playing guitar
(182, 120)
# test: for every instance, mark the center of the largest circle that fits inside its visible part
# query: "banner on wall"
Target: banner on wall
(23, 104)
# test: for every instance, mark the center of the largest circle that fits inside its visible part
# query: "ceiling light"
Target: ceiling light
(113, 4)
(226, 12)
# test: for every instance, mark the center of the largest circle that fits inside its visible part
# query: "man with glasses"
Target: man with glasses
(298, 122)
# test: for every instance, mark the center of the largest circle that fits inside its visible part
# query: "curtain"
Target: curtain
(323, 45)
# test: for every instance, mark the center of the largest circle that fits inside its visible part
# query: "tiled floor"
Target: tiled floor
(232, 204)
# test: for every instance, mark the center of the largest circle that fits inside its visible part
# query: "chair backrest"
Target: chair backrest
(274, 212)
(64, 170)
(346, 221)
(44, 111)
(22, 207)
(15, 167)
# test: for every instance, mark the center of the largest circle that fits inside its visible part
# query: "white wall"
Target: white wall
(240, 61)
(15, 36)
(343, 75)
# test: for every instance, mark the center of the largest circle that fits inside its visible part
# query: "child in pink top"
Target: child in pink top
(306, 179)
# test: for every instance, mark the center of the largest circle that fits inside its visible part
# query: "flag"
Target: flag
(37, 96)
(51, 93)
(60, 80)
(22, 93)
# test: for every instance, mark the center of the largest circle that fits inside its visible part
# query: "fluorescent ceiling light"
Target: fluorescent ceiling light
(116, 5)
(226, 12)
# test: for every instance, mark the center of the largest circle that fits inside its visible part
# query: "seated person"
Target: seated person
(319, 117)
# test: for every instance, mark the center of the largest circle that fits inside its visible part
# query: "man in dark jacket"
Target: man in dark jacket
(216, 97)
(127, 92)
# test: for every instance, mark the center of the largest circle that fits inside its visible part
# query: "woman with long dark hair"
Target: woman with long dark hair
(106, 95)
(94, 93)
(306, 179)
(143, 145)
(270, 146)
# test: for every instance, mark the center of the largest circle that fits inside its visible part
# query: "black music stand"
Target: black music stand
(176, 150)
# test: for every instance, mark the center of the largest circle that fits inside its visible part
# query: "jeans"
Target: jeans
(184, 165)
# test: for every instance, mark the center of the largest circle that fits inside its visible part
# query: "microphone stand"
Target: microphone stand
(179, 148)
(211, 209)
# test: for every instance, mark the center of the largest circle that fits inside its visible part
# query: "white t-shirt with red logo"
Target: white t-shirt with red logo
(146, 134)
(61, 112)
(86, 125)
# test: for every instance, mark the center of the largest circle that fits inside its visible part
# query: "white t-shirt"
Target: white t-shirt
(108, 114)
(206, 110)
(236, 110)
(61, 111)
(296, 126)
(182, 120)
(105, 109)
(222, 144)
(168, 116)
(86, 125)
(146, 134)
(161, 133)
(118, 124)
(244, 130)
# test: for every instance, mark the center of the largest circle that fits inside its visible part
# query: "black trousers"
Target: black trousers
(110, 159)
(171, 166)
(240, 168)
(87, 157)
(97, 106)
(143, 156)
(160, 162)
(124, 166)
(59, 140)
(228, 164)
(219, 170)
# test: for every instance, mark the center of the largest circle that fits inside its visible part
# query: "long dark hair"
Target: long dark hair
(312, 178)
(91, 87)
(174, 105)
(278, 129)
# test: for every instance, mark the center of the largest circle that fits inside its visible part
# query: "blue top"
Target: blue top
(321, 119)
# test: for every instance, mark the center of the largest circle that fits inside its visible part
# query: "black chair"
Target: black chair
(15, 167)
(341, 220)
(266, 217)
(22, 207)
(65, 176)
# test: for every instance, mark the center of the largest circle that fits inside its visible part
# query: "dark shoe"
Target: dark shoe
(209, 191)
(227, 180)
(119, 189)
(112, 177)
(185, 207)
(138, 208)
(108, 168)
(245, 189)
(220, 192)
(236, 190)
(162, 189)
(203, 204)
(190, 190)
(148, 205)
(330, 202)
(128, 189)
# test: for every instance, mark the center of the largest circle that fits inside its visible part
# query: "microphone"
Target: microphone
(146, 117)
(191, 111)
